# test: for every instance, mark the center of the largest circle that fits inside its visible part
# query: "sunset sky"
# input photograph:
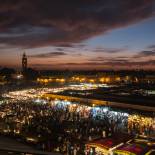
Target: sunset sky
(78, 34)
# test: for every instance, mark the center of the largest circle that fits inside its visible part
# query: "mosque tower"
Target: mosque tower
(24, 62)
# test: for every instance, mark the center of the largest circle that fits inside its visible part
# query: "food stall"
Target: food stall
(132, 149)
(105, 146)
(144, 125)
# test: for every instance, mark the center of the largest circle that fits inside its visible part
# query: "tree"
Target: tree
(31, 74)
(7, 72)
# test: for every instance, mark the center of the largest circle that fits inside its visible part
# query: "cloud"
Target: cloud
(144, 54)
(110, 50)
(97, 59)
(100, 65)
(152, 47)
(118, 63)
(60, 49)
(34, 23)
(130, 63)
(48, 55)
(101, 59)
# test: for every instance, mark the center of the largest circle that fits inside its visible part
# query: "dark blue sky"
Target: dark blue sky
(137, 36)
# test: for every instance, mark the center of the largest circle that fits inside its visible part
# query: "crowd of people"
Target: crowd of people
(60, 125)
(141, 125)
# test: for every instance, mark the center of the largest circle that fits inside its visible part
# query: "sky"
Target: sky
(78, 34)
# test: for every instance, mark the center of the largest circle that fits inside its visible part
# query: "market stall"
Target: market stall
(132, 149)
(105, 146)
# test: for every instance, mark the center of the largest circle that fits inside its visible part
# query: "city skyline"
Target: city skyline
(78, 35)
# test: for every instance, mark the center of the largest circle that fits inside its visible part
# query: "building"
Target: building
(2, 80)
(24, 63)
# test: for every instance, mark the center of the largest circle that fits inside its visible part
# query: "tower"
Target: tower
(24, 62)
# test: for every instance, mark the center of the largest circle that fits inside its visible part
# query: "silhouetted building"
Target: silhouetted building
(24, 63)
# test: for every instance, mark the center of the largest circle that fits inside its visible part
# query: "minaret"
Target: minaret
(24, 62)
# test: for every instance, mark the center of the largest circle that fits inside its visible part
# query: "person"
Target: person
(75, 151)
(68, 147)
(71, 150)
(103, 134)
(90, 138)
(91, 151)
